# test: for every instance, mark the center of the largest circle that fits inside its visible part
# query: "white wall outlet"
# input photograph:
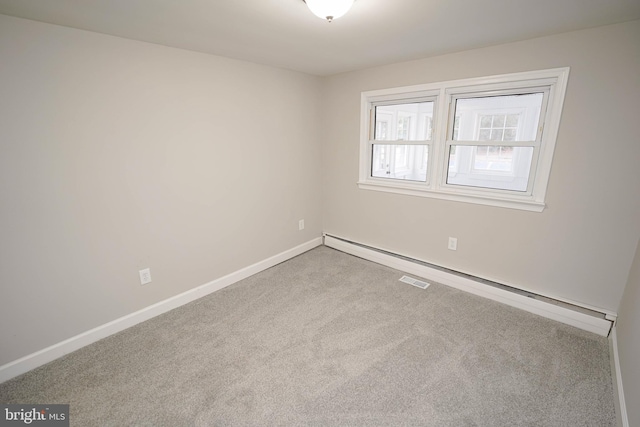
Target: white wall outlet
(301, 224)
(145, 276)
(453, 244)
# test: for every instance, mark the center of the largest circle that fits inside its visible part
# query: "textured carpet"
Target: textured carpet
(330, 339)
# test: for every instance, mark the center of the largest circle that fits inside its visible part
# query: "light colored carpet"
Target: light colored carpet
(330, 339)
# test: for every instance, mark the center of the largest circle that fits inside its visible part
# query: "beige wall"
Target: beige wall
(581, 247)
(628, 332)
(117, 155)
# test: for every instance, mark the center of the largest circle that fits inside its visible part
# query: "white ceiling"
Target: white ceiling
(285, 34)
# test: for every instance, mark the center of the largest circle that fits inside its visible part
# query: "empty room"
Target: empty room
(320, 212)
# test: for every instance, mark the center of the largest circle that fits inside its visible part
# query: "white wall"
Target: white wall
(628, 332)
(117, 155)
(581, 247)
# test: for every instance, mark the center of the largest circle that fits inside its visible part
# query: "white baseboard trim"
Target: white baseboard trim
(46, 355)
(621, 407)
(580, 320)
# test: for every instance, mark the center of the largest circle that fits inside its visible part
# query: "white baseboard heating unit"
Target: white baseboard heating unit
(585, 318)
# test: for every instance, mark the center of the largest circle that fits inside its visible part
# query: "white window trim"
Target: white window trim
(436, 186)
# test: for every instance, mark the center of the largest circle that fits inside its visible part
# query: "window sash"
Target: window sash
(372, 108)
(398, 101)
(411, 166)
(427, 144)
(536, 144)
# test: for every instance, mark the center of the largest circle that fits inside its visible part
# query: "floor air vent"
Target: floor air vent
(414, 282)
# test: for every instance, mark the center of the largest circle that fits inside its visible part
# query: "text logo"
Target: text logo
(34, 415)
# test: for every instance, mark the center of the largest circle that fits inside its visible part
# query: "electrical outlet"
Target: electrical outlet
(301, 224)
(453, 244)
(145, 276)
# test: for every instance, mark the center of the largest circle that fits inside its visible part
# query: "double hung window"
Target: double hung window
(486, 140)
(401, 138)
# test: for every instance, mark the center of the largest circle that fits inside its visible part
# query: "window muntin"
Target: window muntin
(498, 127)
(504, 160)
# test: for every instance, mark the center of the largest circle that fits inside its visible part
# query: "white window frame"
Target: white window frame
(536, 143)
(416, 97)
(444, 95)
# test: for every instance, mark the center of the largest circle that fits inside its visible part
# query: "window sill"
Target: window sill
(478, 199)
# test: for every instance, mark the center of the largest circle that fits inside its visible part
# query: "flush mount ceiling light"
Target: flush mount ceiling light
(329, 9)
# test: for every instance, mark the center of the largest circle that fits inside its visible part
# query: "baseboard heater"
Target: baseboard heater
(586, 318)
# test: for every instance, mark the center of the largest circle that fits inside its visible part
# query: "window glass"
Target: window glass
(493, 158)
(400, 161)
(404, 122)
(491, 166)
(498, 118)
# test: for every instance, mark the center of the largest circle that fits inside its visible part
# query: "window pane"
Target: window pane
(404, 122)
(493, 158)
(497, 134)
(456, 127)
(406, 162)
(496, 167)
(382, 129)
(498, 118)
(512, 120)
(509, 135)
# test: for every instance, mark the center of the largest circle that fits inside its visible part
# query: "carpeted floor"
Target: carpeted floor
(330, 339)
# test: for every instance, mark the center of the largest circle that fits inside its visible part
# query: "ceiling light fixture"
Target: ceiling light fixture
(329, 9)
